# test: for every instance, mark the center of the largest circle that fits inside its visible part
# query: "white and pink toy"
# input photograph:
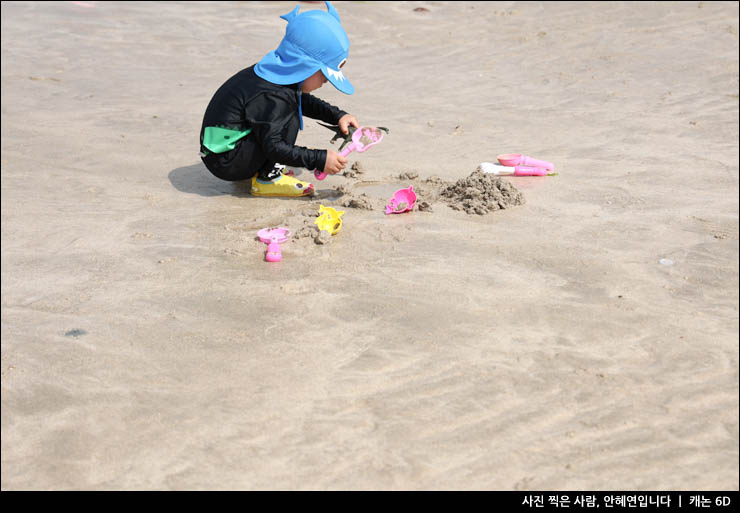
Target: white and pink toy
(499, 170)
(517, 159)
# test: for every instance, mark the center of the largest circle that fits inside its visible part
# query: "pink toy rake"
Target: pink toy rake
(363, 138)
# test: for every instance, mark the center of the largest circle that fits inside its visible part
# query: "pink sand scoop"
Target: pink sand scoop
(273, 237)
(362, 139)
(403, 200)
(517, 159)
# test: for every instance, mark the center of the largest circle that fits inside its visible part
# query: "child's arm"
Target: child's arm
(277, 149)
(268, 124)
(319, 109)
(267, 116)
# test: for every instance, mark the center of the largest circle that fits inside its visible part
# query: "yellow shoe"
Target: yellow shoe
(285, 186)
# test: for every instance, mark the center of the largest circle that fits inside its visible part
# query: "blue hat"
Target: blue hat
(314, 40)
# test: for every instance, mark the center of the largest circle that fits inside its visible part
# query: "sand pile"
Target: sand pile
(481, 193)
(303, 227)
(362, 201)
(356, 169)
(350, 199)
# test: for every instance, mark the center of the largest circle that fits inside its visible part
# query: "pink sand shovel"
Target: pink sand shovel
(517, 159)
(273, 237)
(363, 138)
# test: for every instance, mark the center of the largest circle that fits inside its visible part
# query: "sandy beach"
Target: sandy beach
(586, 339)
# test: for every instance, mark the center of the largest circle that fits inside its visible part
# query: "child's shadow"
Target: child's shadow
(196, 179)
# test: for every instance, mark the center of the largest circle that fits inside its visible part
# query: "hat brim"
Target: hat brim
(290, 69)
(338, 80)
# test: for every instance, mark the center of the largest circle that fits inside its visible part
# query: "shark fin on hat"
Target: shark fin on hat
(331, 10)
(292, 14)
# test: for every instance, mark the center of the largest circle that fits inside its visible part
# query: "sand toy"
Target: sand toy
(346, 138)
(517, 159)
(329, 219)
(496, 169)
(273, 237)
(362, 139)
(403, 200)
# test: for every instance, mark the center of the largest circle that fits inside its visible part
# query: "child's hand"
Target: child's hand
(334, 162)
(345, 121)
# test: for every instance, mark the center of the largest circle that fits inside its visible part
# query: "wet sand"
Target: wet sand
(586, 339)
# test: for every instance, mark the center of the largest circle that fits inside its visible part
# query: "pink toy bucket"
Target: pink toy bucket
(403, 200)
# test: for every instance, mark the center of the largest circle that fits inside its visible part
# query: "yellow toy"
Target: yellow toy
(329, 219)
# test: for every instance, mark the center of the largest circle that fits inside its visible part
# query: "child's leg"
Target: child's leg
(247, 161)
(241, 163)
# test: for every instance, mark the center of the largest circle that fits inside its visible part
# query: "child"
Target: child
(252, 121)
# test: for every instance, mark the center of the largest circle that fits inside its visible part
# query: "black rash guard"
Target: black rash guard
(270, 111)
